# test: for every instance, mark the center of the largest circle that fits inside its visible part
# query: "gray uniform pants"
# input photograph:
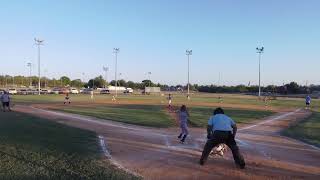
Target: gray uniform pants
(225, 137)
(184, 129)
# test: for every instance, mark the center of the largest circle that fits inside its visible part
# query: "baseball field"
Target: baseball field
(45, 138)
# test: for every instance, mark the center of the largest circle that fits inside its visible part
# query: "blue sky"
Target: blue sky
(153, 35)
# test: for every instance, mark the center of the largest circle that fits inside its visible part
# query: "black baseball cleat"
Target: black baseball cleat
(183, 138)
(242, 165)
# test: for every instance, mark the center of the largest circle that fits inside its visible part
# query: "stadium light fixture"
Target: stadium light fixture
(149, 73)
(116, 51)
(30, 66)
(260, 51)
(38, 42)
(106, 69)
(188, 53)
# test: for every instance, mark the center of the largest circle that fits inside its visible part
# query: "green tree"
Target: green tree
(77, 83)
(65, 80)
(97, 82)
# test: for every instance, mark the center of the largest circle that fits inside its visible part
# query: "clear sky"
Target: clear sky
(153, 35)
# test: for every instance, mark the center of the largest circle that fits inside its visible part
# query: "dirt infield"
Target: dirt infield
(156, 153)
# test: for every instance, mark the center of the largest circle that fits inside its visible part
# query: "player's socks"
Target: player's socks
(180, 136)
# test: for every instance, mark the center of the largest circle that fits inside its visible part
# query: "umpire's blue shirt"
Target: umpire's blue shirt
(221, 122)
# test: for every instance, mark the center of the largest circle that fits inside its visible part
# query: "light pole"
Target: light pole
(45, 79)
(120, 74)
(188, 53)
(116, 51)
(260, 51)
(83, 77)
(38, 43)
(149, 73)
(219, 79)
(30, 66)
(106, 69)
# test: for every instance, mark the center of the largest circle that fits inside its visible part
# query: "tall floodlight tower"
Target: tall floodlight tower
(30, 66)
(260, 51)
(106, 69)
(188, 53)
(149, 73)
(116, 51)
(38, 42)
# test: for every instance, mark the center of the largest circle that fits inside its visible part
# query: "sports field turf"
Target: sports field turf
(199, 115)
(34, 148)
(178, 99)
(307, 130)
(156, 115)
(145, 115)
(149, 110)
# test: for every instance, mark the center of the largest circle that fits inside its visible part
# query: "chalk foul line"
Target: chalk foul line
(270, 120)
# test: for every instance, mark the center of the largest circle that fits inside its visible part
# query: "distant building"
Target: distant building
(151, 90)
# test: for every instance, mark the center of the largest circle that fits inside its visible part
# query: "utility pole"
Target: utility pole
(260, 51)
(116, 51)
(219, 79)
(106, 69)
(45, 79)
(149, 73)
(188, 53)
(39, 43)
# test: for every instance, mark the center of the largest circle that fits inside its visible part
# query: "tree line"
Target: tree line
(100, 82)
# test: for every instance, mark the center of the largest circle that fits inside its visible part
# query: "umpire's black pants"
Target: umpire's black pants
(227, 138)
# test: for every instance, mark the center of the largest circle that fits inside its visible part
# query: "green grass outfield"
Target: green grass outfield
(155, 115)
(148, 110)
(307, 130)
(144, 115)
(33, 148)
(177, 99)
(199, 116)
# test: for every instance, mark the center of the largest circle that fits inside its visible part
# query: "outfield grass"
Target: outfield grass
(147, 110)
(155, 115)
(34, 148)
(307, 130)
(178, 99)
(145, 115)
(199, 116)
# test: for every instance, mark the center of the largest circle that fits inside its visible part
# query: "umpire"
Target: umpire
(222, 129)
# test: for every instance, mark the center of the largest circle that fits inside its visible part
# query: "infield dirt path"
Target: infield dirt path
(157, 154)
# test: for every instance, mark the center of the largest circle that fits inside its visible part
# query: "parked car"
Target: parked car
(128, 90)
(55, 91)
(31, 91)
(74, 91)
(12, 91)
(87, 91)
(23, 92)
(34, 91)
(81, 90)
(104, 91)
(44, 91)
(64, 91)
